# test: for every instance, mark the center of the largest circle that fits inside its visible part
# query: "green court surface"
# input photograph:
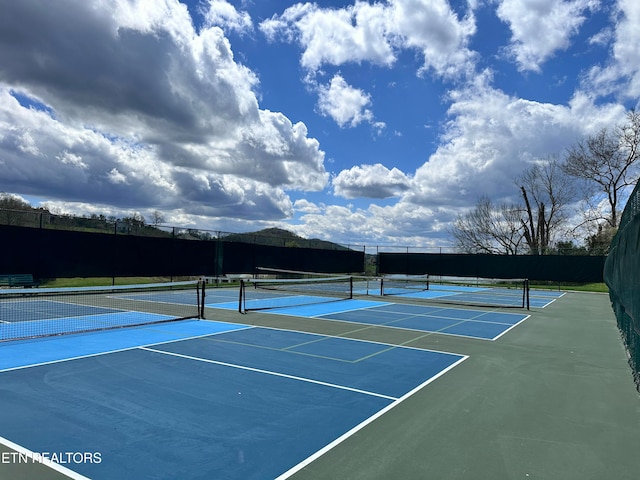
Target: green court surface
(553, 398)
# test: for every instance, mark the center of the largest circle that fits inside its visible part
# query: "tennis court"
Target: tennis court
(52, 311)
(394, 311)
(236, 402)
(552, 399)
(358, 388)
(482, 296)
(483, 324)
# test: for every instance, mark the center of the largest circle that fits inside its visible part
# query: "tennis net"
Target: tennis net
(476, 291)
(268, 293)
(41, 312)
(403, 284)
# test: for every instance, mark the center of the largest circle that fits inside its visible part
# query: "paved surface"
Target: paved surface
(551, 399)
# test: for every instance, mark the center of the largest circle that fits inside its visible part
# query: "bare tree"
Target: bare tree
(489, 229)
(134, 223)
(607, 161)
(531, 225)
(14, 210)
(13, 202)
(546, 192)
(157, 218)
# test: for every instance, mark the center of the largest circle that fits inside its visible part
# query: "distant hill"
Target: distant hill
(14, 211)
(282, 238)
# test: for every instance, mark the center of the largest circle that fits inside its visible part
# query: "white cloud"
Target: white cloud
(603, 37)
(222, 14)
(25, 142)
(305, 206)
(355, 33)
(344, 103)
(492, 137)
(137, 108)
(370, 181)
(401, 224)
(434, 29)
(626, 50)
(627, 34)
(79, 165)
(375, 33)
(71, 158)
(541, 28)
(115, 176)
(620, 75)
(126, 106)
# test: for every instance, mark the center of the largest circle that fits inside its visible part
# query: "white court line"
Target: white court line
(363, 424)
(511, 328)
(35, 458)
(549, 303)
(268, 372)
(438, 308)
(340, 337)
(439, 332)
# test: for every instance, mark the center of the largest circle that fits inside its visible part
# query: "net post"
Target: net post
(351, 287)
(241, 296)
(202, 289)
(199, 299)
(525, 293)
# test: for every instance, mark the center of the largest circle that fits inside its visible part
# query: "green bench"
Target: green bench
(18, 280)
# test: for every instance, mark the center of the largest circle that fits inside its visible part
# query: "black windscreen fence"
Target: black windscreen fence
(47, 253)
(242, 257)
(622, 276)
(556, 268)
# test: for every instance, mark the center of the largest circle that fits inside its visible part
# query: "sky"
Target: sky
(358, 122)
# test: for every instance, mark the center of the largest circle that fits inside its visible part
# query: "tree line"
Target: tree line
(566, 204)
(15, 211)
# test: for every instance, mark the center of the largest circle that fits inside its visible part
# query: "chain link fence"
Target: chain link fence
(622, 276)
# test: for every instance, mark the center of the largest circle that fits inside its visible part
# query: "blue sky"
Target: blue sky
(358, 122)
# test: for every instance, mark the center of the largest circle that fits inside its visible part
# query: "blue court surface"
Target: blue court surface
(32, 316)
(484, 296)
(482, 324)
(227, 298)
(200, 399)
